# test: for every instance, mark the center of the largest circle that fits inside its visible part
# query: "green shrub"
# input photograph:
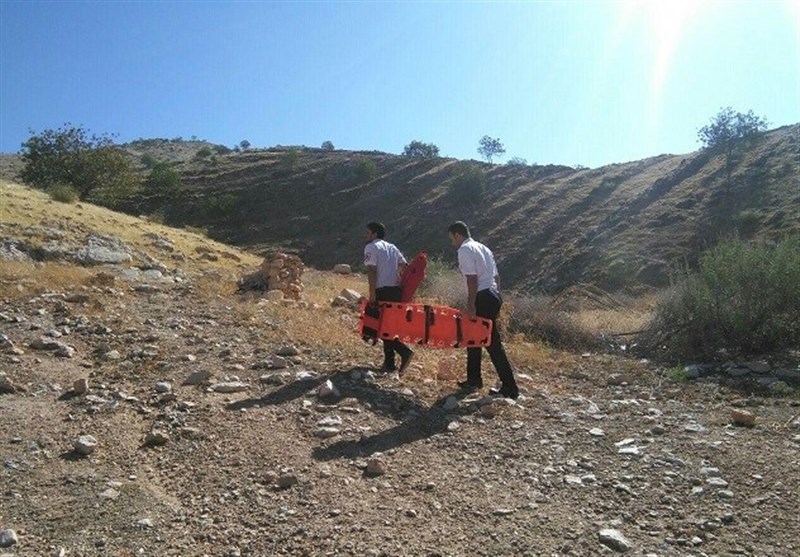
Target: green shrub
(743, 300)
(63, 193)
(290, 158)
(678, 374)
(148, 160)
(163, 180)
(469, 183)
(218, 207)
(327, 146)
(203, 152)
(366, 170)
(222, 149)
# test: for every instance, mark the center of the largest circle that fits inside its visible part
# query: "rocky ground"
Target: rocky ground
(161, 414)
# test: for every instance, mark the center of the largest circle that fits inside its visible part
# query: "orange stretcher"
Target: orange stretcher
(425, 325)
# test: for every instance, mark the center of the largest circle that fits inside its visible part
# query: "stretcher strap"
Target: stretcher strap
(459, 332)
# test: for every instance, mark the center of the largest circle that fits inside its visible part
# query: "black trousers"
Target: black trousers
(487, 304)
(391, 347)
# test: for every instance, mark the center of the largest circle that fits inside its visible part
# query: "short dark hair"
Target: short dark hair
(459, 227)
(377, 228)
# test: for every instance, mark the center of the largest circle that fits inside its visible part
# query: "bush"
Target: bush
(163, 180)
(148, 160)
(222, 149)
(63, 193)
(743, 300)
(203, 152)
(289, 159)
(537, 320)
(443, 284)
(517, 161)
(469, 184)
(327, 146)
(366, 171)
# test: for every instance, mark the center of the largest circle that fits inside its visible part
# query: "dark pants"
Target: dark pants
(487, 304)
(390, 347)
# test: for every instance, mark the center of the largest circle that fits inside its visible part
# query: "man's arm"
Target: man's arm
(472, 292)
(372, 277)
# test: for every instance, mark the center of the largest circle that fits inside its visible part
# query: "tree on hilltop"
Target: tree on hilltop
(729, 132)
(489, 147)
(419, 150)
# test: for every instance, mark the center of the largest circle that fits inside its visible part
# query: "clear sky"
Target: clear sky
(588, 83)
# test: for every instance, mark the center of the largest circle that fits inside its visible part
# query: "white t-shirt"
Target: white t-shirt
(387, 258)
(476, 259)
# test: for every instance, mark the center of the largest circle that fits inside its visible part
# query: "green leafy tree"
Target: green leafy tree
(163, 180)
(419, 150)
(244, 144)
(97, 169)
(730, 131)
(327, 146)
(490, 147)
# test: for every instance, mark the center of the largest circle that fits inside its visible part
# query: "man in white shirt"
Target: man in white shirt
(385, 264)
(476, 263)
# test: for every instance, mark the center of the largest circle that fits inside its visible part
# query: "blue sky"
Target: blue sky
(588, 83)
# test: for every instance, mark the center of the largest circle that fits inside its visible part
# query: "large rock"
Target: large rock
(614, 539)
(230, 387)
(342, 269)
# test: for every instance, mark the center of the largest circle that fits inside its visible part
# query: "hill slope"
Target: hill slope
(617, 226)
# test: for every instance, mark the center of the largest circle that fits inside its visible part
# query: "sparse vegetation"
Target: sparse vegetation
(744, 299)
(534, 317)
(517, 161)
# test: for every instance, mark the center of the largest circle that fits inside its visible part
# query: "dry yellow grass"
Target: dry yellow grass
(23, 279)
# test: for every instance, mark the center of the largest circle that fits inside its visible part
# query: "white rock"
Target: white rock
(163, 387)
(342, 269)
(327, 389)
(85, 445)
(326, 432)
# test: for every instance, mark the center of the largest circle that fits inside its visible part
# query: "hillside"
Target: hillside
(618, 226)
(213, 436)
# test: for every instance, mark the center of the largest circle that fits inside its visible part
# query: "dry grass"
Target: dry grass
(23, 279)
